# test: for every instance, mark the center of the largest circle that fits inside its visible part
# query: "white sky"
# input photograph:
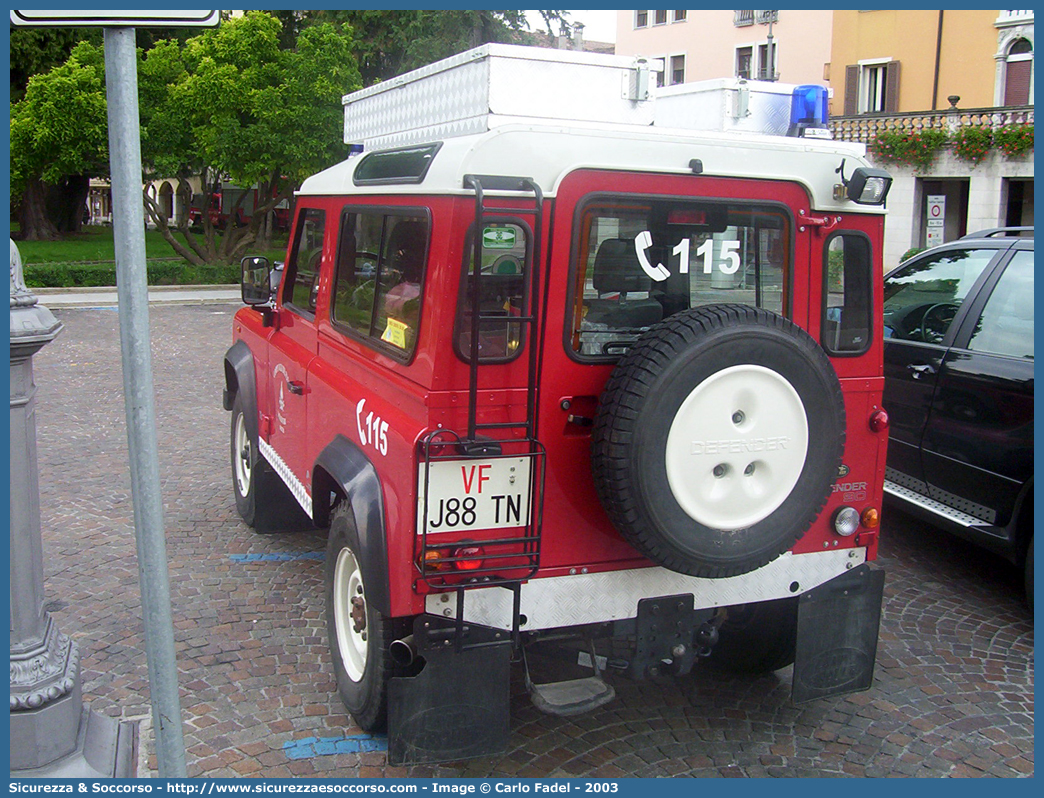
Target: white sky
(599, 26)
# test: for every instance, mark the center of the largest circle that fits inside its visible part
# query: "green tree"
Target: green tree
(58, 140)
(234, 104)
(390, 42)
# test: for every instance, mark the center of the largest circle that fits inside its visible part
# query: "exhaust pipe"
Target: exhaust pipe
(403, 652)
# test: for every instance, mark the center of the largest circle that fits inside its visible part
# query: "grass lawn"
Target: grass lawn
(88, 259)
(96, 243)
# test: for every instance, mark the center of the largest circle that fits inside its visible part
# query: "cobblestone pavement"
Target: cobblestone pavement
(953, 694)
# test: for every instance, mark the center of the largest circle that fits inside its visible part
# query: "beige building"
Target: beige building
(790, 46)
(915, 71)
(908, 61)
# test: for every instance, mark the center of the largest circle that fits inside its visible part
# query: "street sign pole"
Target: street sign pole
(128, 224)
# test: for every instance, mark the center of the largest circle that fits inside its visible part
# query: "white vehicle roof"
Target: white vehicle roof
(547, 153)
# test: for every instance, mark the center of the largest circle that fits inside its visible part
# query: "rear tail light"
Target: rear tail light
(468, 558)
(871, 518)
(879, 420)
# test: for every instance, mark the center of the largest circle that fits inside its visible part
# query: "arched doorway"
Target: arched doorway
(166, 201)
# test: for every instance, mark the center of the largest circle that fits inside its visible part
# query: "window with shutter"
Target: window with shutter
(851, 90)
(1018, 73)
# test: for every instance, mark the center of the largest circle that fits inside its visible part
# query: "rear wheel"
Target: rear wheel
(756, 638)
(360, 637)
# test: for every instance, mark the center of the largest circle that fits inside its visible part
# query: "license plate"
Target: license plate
(474, 494)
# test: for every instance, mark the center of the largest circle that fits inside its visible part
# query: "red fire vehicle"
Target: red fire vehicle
(233, 202)
(589, 381)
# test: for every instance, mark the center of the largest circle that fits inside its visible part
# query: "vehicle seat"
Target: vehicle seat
(617, 272)
(405, 251)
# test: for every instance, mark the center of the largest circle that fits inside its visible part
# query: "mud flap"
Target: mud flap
(837, 635)
(457, 707)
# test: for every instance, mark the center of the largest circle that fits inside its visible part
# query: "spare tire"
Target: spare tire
(718, 439)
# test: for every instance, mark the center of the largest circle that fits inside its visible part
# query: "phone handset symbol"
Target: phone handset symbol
(642, 242)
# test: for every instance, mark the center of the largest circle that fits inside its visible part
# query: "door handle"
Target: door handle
(918, 371)
(295, 387)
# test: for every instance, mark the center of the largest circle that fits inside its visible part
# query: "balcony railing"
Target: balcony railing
(743, 18)
(1014, 17)
(866, 126)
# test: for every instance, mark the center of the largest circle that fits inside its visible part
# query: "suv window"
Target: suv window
(302, 282)
(381, 259)
(639, 260)
(922, 299)
(501, 284)
(846, 311)
(1006, 324)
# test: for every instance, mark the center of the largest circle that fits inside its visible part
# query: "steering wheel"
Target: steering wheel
(936, 321)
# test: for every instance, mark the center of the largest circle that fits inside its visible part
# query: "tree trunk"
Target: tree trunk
(33, 214)
(66, 202)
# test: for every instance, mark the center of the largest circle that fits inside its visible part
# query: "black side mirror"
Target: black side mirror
(256, 282)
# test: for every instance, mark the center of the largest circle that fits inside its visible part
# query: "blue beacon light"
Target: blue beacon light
(808, 112)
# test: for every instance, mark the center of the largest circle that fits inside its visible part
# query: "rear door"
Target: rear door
(922, 301)
(978, 443)
(631, 250)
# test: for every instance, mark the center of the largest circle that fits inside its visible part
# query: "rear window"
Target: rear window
(846, 321)
(639, 260)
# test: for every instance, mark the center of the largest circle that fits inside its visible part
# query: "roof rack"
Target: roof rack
(995, 231)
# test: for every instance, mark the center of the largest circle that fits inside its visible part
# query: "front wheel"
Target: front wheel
(359, 635)
(244, 457)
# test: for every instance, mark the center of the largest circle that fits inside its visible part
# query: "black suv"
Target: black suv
(958, 330)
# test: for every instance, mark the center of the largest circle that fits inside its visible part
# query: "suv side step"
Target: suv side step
(932, 506)
(572, 696)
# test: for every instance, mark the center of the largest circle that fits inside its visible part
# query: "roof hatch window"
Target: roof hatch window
(406, 165)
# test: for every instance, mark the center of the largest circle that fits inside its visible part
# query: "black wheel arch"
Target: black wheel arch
(241, 380)
(343, 469)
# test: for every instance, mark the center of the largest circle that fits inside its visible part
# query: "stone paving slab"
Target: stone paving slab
(953, 693)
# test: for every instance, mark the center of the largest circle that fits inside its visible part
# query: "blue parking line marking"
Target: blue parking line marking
(330, 746)
(307, 555)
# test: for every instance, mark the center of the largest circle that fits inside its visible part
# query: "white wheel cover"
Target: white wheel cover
(736, 447)
(242, 461)
(352, 645)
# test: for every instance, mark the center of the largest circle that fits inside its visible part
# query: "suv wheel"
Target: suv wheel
(360, 637)
(245, 464)
(718, 438)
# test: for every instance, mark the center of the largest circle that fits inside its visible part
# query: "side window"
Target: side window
(1006, 324)
(380, 269)
(922, 299)
(301, 288)
(500, 282)
(639, 261)
(846, 311)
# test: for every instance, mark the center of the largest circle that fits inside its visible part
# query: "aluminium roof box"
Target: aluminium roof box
(499, 84)
(726, 105)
